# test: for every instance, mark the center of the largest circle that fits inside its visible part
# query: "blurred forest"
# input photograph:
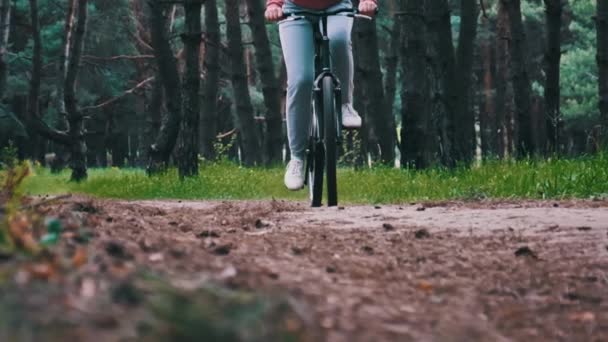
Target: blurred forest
(152, 83)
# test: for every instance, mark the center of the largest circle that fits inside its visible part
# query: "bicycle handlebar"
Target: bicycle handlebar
(351, 13)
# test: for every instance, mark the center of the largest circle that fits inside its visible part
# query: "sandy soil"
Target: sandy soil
(479, 271)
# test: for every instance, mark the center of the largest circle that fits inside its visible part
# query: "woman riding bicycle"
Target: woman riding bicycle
(298, 51)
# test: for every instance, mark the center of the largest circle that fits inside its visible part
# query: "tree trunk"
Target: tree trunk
(441, 55)
(270, 85)
(212, 71)
(465, 122)
(61, 152)
(154, 112)
(360, 142)
(487, 121)
(250, 145)
(602, 61)
(552, 70)
(78, 148)
(34, 122)
(149, 103)
(188, 147)
(392, 62)
(416, 135)
(65, 55)
(5, 25)
(521, 81)
(377, 107)
(34, 91)
(160, 151)
(504, 91)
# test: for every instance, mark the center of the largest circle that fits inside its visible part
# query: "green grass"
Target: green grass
(583, 177)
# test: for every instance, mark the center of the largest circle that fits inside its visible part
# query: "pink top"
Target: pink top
(312, 4)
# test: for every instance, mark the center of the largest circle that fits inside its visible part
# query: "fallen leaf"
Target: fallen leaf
(582, 317)
(425, 286)
(53, 226)
(43, 271)
(80, 257)
(49, 239)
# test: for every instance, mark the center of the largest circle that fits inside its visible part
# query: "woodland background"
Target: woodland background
(152, 83)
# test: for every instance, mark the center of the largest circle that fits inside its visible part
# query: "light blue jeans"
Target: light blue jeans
(298, 51)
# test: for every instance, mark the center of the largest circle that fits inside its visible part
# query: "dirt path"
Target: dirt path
(531, 271)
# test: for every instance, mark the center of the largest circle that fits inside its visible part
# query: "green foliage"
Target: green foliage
(109, 33)
(579, 83)
(578, 66)
(555, 178)
(8, 157)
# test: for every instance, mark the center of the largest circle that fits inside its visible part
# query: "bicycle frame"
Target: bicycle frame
(326, 131)
(322, 64)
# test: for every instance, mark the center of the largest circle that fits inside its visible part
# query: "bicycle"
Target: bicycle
(326, 120)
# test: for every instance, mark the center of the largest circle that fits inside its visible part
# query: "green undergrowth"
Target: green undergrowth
(583, 177)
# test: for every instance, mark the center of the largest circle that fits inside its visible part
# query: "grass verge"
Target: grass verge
(583, 177)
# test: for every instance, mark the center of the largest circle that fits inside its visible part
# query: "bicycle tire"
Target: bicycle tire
(315, 163)
(315, 176)
(331, 140)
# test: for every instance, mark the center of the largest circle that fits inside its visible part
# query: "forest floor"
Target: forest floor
(445, 271)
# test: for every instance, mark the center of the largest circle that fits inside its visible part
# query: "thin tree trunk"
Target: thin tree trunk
(416, 135)
(33, 118)
(60, 152)
(504, 93)
(212, 70)
(250, 145)
(34, 91)
(377, 107)
(359, 143)
(188, 147)
(465, 122)
(5, 26)
(488, 126)
(154, 113)
(552, 71)
(160, 151)
(78, 148)
(522, 87)
(441, 51)
(65, 55)
(150, 102)
(392, 62)
(270, 86)
(602, 61)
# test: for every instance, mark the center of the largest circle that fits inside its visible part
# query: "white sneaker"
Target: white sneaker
(294, 175)
(350, 117)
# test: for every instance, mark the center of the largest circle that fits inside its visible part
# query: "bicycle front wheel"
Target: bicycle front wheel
(315, 165)
(331, 140)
